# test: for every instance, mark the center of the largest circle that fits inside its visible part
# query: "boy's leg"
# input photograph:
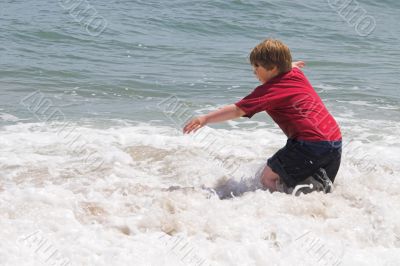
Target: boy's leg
(293, 165)
(269, 179)
(332, 167)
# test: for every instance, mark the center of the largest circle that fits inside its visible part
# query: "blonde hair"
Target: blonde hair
(271, 53)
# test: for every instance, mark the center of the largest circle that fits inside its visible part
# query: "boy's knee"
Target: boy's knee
(269, 179)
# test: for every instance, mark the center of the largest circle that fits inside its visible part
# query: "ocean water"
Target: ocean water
(94, 169)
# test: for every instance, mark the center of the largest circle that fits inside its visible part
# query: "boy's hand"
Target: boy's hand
(298, 64)
(194, 124)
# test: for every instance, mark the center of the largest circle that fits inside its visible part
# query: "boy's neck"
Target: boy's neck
(271, 75)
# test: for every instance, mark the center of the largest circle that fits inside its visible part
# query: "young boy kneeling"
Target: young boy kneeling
(313, 149)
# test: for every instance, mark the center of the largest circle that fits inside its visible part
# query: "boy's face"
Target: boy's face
(263, 74)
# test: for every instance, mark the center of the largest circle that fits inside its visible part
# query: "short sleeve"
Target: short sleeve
(253, 103)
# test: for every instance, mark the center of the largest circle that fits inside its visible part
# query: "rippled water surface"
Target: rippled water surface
(93, 163)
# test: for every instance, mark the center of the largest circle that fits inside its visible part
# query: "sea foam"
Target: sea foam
(153, 197)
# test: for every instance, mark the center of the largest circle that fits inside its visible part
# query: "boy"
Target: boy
(313, 149)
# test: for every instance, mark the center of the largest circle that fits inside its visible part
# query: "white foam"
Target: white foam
(149, 183)
(8, 117)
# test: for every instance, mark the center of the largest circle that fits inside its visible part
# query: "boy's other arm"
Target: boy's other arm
(298, 64)
(225, 113)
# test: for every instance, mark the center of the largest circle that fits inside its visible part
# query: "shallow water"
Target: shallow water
(95, 169)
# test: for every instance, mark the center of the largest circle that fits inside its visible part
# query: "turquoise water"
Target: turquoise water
(197, 51)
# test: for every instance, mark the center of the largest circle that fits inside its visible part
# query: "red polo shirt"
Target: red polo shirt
(294, 105)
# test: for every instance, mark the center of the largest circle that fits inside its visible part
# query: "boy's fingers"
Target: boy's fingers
(187, 129)
(196, 128)
(190, 127)
(190, 124)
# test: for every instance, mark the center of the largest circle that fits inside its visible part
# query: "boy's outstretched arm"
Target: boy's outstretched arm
(225, 113)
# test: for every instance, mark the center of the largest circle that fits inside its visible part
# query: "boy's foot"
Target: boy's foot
(322, 178)
(317, 182)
